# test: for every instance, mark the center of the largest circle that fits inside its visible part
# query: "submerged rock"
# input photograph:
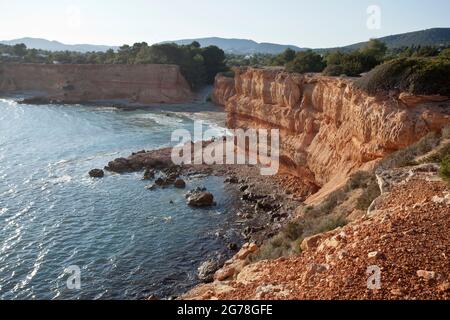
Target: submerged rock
(96, 173)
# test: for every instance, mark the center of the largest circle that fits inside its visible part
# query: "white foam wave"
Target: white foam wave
(9, 102)
(61, 180)
(159, 119)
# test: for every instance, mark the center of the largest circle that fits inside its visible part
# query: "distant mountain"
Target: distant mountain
(429, 37)
(239, 46)
(436, 36)
(43, 44)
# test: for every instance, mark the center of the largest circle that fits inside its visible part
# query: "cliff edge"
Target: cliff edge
(85, 83)
(329, 128)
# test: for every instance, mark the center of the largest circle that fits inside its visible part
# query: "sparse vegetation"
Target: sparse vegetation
(331, 223)
(446, 132)
(414, 75)
(445, 168)
(406, 157)
(288, 241)
(371, 191)
(439, 155)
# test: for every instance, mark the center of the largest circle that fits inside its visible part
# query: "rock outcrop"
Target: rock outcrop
(223, 89)
(86, 83)
(199, 198)
(96, 173)
(329, 129)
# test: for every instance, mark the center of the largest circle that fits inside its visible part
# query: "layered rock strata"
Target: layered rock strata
(84, 83)
(329, 128)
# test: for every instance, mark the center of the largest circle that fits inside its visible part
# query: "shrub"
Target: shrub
(273, 249)
(306, 61)
(446, 132)
(414, 75)
(228, 74)
(370, 193)
(330, 224)
(405, 157)
(445, 169)
(438, 156)
(359, 180)
(334, 70)
(288, 241)
(293, 231)
(350, 64)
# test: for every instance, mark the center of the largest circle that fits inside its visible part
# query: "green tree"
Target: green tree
(376, 49)
(32, 56)
(20, 50)
(214, 62)
(445, 54)
(109, 56)
(350, 64)
(307, 61)
(123, 55)
(143, 56)
(288, 55)
(196, 44)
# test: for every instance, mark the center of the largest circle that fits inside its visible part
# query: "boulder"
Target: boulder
(311, 243)
(207, 270)
(200, 198)
(225, 273)
(427, 275)
(96, 173)
(246, 250)
(119, 165)
(180, 184)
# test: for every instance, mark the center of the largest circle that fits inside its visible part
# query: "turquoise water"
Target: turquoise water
(128, 242)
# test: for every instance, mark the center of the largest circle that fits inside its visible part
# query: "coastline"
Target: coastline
(266, 204)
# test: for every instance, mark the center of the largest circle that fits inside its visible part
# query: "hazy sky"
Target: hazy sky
(306, 23)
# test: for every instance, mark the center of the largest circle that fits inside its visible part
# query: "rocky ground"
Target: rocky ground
(405, 237)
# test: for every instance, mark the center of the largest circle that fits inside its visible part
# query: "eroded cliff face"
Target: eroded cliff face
(82, 83)
(224, 89)
(329, 129)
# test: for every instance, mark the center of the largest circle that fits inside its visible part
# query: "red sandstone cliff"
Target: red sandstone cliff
(81, 83)
(224, 89)
(329, 129)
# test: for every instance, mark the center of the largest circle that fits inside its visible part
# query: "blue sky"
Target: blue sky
(306, 23)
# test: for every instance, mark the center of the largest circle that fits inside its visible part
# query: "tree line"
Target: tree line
(200, 65)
